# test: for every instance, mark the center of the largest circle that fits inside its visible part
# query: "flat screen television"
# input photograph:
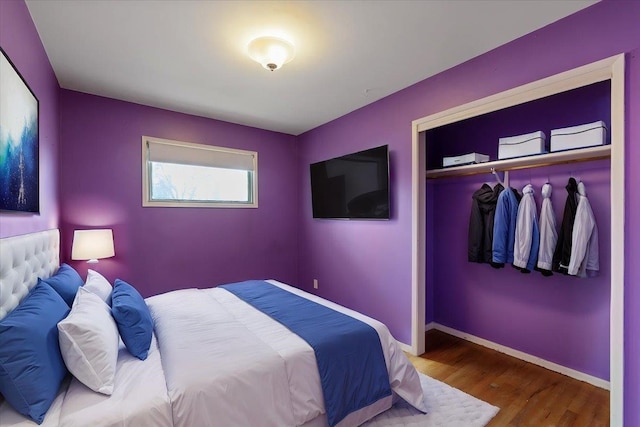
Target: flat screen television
(355, 186)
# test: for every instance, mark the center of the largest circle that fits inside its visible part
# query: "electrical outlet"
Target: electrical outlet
(315, 283)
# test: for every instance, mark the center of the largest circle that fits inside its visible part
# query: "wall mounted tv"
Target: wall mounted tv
(355, 186)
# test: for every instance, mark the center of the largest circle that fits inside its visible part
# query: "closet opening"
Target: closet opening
(567, 324)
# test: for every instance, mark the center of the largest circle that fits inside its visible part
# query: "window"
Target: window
(180, 174)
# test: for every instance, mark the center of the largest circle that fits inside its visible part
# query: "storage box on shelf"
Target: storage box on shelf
(587, 135)
(522, 145)
(465, 159)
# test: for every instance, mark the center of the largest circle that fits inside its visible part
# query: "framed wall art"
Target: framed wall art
(19, 160)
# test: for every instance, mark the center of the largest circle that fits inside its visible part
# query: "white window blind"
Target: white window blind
(200, 155)
(182, 174)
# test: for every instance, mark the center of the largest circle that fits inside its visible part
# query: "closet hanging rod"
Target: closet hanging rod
(557, 158)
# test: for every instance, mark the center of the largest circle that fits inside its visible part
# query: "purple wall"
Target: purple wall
(632, 249)
(338, 252)
(365, 265)
(159, 249)
(21, 42)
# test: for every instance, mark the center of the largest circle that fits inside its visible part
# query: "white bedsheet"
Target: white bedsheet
(139, 399)
(271, 377)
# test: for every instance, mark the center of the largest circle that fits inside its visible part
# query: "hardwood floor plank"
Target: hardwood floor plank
(568, 419)
(527, 394)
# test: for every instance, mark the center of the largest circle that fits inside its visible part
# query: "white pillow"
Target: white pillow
(100, 286)
(89, 341)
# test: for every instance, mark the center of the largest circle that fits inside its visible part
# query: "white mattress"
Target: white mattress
(139, 399)
(272, 378)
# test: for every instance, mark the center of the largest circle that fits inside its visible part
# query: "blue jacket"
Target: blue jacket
(504, 227)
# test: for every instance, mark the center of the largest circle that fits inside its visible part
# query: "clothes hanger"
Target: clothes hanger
(505, 182)
(495, 173)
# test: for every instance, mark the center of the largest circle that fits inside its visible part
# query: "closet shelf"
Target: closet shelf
(560, 157)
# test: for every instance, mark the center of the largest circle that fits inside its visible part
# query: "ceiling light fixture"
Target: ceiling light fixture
(271, 52)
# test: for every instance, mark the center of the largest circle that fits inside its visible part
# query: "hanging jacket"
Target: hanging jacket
(584, 242)
(504, 228)
(548, 232)
(527, 239)
(562, 254)
(483, 207)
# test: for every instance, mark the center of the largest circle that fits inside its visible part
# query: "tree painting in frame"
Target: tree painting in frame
(19, 174)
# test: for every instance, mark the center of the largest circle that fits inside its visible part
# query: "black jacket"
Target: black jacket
(562, 254)
(483, 209)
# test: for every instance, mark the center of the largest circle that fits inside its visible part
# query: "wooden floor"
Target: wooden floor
(526, 394)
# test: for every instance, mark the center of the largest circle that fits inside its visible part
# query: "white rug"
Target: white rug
(447, 407)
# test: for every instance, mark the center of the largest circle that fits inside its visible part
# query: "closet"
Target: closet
(575, 324)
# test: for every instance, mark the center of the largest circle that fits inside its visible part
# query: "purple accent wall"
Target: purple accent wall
(431, 252)
(160, 249)
(367, 266)
(21, 42)
(632, 249)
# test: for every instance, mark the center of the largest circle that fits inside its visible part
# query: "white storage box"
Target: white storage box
(465, 159)
(522, 145)
(588, 135)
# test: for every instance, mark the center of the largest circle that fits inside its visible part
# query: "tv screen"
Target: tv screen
(355, 186)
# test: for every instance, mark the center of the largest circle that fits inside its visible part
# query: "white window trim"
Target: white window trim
(147, 202)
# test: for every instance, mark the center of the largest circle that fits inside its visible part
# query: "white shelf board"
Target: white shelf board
(560, 157)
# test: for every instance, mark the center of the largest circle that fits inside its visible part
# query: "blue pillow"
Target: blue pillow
(133, 318)
(66, 282)
(31, 366)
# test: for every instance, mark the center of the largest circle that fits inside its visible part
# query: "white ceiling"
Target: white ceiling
(190, 56)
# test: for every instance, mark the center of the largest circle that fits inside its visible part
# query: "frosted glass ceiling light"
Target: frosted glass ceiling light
(271, 52)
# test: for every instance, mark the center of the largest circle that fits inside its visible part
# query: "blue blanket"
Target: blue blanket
(348, 352)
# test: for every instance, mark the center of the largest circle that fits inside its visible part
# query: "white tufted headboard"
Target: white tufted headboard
(22, 260)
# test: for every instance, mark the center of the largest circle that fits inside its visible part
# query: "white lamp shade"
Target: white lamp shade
(271, 52)
(92, 244)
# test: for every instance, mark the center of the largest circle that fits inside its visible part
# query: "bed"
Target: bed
(214, 360)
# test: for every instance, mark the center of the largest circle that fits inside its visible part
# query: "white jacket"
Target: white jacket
(527, 241)
(584, 241)
(548, 231)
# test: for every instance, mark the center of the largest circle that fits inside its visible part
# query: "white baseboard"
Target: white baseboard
(581, 376)
(405, 347)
